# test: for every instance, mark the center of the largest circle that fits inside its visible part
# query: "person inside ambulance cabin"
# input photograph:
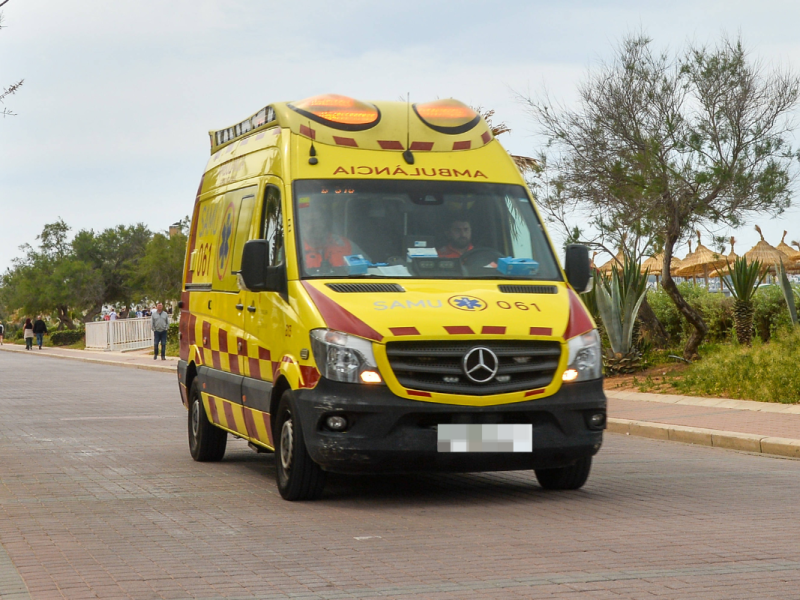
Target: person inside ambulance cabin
(323, 249)
(459, 238)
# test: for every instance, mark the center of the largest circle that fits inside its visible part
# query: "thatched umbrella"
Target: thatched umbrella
(702, 262)
(764, 252)
(792, 263)
(618, 260)
(654, 265)
(732, 256)
(686, 258)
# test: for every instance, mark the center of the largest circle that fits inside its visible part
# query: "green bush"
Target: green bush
(764, 371)
(172, 333)
(66, 337)
(716, 308)
(770, 312)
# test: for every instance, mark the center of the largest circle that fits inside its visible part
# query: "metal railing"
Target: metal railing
(119, 335)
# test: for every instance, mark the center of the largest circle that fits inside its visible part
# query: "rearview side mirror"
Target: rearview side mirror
(578, 268)
(256, 275)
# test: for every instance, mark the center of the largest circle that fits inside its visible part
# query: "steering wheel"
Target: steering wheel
(477, 259)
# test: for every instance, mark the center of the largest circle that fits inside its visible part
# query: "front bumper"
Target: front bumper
(392, 434)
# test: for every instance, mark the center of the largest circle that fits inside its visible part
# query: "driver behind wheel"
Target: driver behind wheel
(459, 238)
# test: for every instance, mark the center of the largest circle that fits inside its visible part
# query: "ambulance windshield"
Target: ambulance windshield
(419, 229)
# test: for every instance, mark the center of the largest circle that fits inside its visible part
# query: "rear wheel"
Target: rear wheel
(299, 477)
(565, 478)
(206, 442)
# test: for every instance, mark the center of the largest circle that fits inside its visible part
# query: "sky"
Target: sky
(111, 123)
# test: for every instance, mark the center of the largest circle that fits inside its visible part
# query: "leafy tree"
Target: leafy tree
(114, 254)
(49, 279)
(160, 270)
(663, 143)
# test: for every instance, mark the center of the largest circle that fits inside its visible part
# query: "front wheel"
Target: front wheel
(565, 478)
(206, 442)
(299, 477)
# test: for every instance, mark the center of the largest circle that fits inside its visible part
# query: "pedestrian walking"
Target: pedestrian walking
(2, 333)
(112, 316)
(27, 333)
(160, 323)
(39, 329)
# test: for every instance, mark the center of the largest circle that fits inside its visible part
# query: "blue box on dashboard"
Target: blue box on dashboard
(357, 264)
(517, 266)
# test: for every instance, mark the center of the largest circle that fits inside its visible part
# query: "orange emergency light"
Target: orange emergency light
(338, 112)
(447, 116)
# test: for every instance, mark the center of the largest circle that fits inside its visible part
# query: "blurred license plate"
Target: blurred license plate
(485, 438)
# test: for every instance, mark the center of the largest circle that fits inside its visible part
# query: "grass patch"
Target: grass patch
(766, 372)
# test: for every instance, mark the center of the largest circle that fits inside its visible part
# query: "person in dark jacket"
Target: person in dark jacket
(27, 333)
(39, 329)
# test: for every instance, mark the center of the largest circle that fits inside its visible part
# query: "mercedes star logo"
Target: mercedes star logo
(480, 364)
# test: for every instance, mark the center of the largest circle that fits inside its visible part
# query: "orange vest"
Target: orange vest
(450, 252)
(334, 251)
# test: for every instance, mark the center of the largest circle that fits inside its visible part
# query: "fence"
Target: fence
(119, 335)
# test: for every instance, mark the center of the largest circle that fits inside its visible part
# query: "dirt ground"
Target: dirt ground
(656, 380)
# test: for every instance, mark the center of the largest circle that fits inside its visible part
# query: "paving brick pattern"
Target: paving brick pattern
(710, 417)
(100, 499)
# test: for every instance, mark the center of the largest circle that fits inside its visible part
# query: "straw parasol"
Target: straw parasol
(764, 252)
(732, 256)
(654, 265)
(618, 260)
(702, 262)
(793, 256)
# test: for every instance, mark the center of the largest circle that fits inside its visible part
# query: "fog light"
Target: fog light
(370, 377)
(597, 420)
(570, 375)
(336, 423)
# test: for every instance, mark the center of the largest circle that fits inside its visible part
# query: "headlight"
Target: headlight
(585, 358)
(343, 357)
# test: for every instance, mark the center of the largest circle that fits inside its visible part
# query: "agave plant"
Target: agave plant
(744, 280)
(788, 292)
(618, 300)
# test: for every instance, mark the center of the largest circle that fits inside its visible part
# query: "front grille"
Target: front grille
(365, 288)
(423, 365)
(527, 289)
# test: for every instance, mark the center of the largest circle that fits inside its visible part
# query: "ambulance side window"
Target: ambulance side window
(272, 225)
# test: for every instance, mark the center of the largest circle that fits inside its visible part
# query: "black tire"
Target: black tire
(299, 477)
(565, 478)
(206, 441)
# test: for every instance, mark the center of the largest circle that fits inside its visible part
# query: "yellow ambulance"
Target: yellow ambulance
(369, 287)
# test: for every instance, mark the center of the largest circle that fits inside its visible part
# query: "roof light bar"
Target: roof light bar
(338, 112)
(447, 116)
(223, 136)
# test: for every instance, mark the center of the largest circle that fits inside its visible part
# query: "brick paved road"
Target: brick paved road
(99, 498)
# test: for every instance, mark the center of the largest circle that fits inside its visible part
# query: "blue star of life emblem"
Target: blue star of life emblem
(468, 303)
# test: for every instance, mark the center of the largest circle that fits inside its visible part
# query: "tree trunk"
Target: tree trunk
(694, 318)
(654, 327)
(93, 312)
(64, 319)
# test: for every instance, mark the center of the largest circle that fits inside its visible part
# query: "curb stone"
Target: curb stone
(112, 363)
(730, 440)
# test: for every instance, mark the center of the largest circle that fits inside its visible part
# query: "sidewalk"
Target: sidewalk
(136, 359)
(764, 427)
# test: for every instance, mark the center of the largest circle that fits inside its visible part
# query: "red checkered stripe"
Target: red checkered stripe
(476, 141)
(220, 349)
(468, 330)
(255, 425)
